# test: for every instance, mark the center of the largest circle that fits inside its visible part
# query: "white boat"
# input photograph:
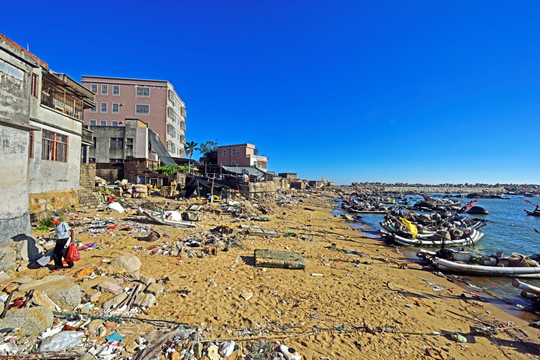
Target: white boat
(473, 237)
(160, 218)
(468, 268)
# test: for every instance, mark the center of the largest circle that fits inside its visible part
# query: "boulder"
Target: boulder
(145, 300)
(115, 301)
(27, 248)
(8, 258)
(129, 263)
(59, 289)
(40, 299)
(34, 320)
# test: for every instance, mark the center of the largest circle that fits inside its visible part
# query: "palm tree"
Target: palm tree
(190, 147)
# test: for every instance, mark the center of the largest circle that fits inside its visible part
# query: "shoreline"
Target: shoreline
(367, 300)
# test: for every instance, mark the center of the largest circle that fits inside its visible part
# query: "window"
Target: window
(115, 108)
(35, 85)
(171, 130)
(171, 147)
(116, 90)
(224, 153)
(114, 123)
(103, 107)
(93, 109)
(102, 122)
(116, 143)
(233, 152)
(104, 89)
(94, 142)
(31, 145)
(142, 109)
(93, 88)
(54, 146)
(129, 143)
(233, 162)
(142, 91)
(93, 122)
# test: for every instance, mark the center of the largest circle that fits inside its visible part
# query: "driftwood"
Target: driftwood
(6, 305)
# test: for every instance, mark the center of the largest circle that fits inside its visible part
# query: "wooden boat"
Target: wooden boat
(472, 238)
(160, 218)
(477, 210)
(533, 213)
(468, 268)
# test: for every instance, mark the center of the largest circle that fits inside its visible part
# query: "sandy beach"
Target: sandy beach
(356, 298)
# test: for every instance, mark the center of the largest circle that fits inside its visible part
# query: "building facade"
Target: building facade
(241, 155)
(41, 137)
(152, 101)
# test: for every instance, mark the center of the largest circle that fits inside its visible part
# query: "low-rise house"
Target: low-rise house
(126, 151)
(241, 155)
(41, 137)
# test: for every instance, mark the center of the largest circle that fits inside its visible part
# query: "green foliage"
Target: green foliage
(209, 151)
(46, 224)
(190, 147)
(168, 170)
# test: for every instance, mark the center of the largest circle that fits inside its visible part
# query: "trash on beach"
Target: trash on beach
(279, 259)
(115, 206)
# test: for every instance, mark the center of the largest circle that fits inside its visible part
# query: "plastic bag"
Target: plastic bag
(62, 341)
(45, 259)
(73, 254)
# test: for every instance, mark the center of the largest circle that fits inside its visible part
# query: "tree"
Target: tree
(190, 147)
(209, 151)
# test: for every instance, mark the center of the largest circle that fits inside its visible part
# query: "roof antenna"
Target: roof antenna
(27, 47)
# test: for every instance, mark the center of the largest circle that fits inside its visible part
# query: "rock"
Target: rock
(130, 263)
(94, 325)
(23, 280)
(111, 303)
(152, 335)
(145, 300)
(91, 296)
(34, 320)
(8, 258)
(87, 356)
(246, 295)
(154, 289)
(59, 289)
(26, 247)
(4, 276)
(41, 299)
(146, 280)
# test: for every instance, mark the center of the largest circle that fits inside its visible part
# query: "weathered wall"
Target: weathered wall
(48, 175)
(14, 217)
(15, 83)
(261, 188)
(54, 201)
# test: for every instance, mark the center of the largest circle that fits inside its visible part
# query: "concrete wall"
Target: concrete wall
(88, 176)
(16, 67)
(14, 216)
(261, 188)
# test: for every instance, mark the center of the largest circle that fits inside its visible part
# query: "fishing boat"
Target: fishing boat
(533, 213)
(433, 239)
(464, 262)
(161, 218)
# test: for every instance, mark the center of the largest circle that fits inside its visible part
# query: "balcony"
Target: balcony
(61, 93)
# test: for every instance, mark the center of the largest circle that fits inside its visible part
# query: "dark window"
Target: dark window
(35, 85)
(31, 145)
(117, 143)
(54, 146)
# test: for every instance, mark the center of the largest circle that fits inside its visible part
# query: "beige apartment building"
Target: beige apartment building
(154, 102)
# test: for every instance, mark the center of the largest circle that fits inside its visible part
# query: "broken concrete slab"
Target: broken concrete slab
(113, 302)
(34, 320)
(279, 259)
(110, 287)
(8, 258)
(59, 289)
(154, 289)
(40, 299)
(145, 300)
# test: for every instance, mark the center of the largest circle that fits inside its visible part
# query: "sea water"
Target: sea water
(508, 229)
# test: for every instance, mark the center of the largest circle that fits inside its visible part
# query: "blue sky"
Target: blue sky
(390, 91)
